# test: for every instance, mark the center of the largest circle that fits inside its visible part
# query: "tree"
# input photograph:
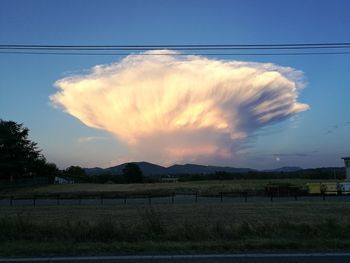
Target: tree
(132, 173)
(42, 168)
(76, 172)
(18, 154)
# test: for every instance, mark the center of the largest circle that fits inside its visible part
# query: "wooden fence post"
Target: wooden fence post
(172, 197)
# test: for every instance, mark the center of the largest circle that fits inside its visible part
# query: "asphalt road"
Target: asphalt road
(224, 258)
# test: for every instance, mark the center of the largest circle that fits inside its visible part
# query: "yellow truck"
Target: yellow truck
(313, 188)
(329, 188)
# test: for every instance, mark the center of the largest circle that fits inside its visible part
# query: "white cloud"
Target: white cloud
(174, 108)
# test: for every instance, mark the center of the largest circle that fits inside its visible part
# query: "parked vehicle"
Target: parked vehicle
(313, 188)
(344, 188)
(329, 188)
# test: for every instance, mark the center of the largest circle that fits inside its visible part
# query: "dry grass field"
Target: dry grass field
(118, 229)
(202, 187)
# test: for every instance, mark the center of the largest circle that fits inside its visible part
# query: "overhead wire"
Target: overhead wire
(340, 48)
(176, 46)
(177, 54)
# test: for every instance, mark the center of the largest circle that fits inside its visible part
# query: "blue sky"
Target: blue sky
(314, 138)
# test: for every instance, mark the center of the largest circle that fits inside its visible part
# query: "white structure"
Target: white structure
(63, 180)
(347, 167)
(169, 180)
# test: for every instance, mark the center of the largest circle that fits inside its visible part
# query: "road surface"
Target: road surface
(224, 258)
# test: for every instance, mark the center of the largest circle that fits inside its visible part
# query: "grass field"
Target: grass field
(202, 187)
(121, 229)
(180, 228)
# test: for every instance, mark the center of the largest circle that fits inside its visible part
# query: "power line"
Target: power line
(175, 48)
(289, 49)
(182, 45)
(177, 54)
(178, 47)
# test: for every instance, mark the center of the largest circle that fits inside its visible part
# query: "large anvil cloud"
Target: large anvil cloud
(171, 108)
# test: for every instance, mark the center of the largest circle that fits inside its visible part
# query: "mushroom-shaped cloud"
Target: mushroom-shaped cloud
(170, 108)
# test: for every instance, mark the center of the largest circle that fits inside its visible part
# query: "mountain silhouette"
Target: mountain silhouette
(153, 169)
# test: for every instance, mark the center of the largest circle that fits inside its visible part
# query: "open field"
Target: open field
(202, 187)
(307, 212)
(121, 229)
(180, 227)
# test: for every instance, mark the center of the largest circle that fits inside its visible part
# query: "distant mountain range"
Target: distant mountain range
(153, 169)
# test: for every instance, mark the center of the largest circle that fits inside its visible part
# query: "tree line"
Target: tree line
(20, 158)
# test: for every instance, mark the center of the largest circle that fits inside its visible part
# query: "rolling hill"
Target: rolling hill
(153, 169)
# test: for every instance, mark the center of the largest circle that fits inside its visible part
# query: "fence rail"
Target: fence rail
(171, 198)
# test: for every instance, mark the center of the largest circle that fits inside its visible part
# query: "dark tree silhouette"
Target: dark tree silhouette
(44, 169)
(132, 173)
(19, 156)
(17, 152)
(76, 172)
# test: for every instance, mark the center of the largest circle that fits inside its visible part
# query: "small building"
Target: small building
(347, 167)
(63, 180)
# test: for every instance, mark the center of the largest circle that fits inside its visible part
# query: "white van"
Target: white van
(344, 188)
